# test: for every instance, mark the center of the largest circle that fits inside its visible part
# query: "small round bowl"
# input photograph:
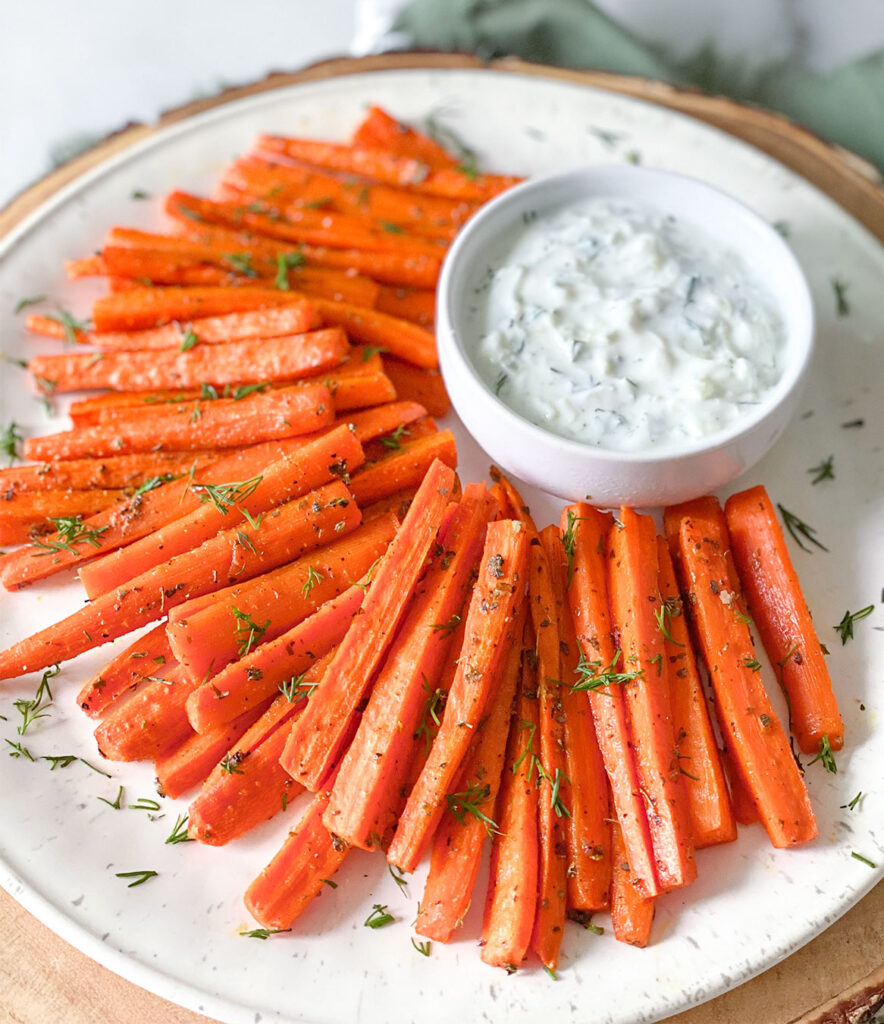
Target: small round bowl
(577, 471)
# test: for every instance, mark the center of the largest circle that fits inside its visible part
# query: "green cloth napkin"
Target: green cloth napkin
(846, 106)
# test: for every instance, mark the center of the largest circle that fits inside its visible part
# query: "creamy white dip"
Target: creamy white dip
(618, 325)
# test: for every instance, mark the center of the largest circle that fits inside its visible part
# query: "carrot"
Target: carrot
(501, 579)
(151, 721)
(404, 468)
(298, 873)
(386, 447)
(29, 517)
(317, 463)
(634, 590)
(587, 829)
(378, 130)
(116, 472)
(755, 738)
(205, 639)
(259, 673)
(388, 168)
(369, 424)
(511, 902)
(239, 553)
(780, 612)
(416, 305)
(418, 385)
(397, 505)
(52, 327)
(406, 692)
(315, 742)
(515, 503)
(259, 417)
(401, 338)
(632, 914)
(554, 798)
(709, 807)
(458, 842)
(584, 532)
(149, 655)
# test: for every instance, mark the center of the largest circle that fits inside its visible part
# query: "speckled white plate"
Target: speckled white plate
(177, 935)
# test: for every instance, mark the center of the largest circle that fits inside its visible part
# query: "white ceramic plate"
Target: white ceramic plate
(178, 934)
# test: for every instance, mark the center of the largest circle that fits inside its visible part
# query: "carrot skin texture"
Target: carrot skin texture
(754, 735)
(709, 806)
(316, 740)
(148, 656)
(779, 611)
(588, 597)
(501, 580)
(373, 769)
(632, 914)
(633, 586)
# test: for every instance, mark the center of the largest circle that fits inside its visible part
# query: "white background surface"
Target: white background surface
(74, 71)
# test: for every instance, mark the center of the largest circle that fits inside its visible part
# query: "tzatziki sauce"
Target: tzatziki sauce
(616, 324)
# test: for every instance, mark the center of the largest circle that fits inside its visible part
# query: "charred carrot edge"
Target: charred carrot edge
(588, 829)
(379, 130)
(418, 385)
(511, 902)
(401, 338)
(754, 735)
(150, 655)
(248, 681)
(632, 914)
(291, 529)
(457, 846)
(634, 591)
(584, 530)
(709, 806)
(780, 613)
(299, 872)
(206, 639)
(501, 577)
(405, 468)
(317, 463)
(407, 683)
(315, 743)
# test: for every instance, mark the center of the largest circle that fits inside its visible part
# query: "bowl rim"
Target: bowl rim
(518, 197)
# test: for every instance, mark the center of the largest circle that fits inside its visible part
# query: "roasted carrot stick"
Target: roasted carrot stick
(205, 638)
(408, 683)
(587, 829)
(150, 655)
(416, 305)
(30, 517)
(317, 463)
(118, 471)
(385, 447)
(584, 532)
(379, 130)
(780, 612)
(405, 468)
(634, 590)
(418, 385)
(709, 807)
(291, 529)
(401, 338)
(289, 412)
(315, 743)
(501, 579)
(632, 914)
(457, 846)
(755, 737)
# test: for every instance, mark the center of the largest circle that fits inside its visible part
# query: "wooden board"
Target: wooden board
(43, 978)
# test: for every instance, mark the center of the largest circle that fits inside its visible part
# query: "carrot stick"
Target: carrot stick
(401, 338)
(709, 807)
(379, 130)
(369, 424)
(259, 417)
(632, 914)
(416, 305)
(298, 872)
(418, 385)
(780, 612)
(407, 684)
(457, 845)
(259, 672)
(317, 463)
(634, 590)
(405, 468)
(587, 829)
(389, 169)
(515, 502)
(205, 639)
(511, 902)
(755, 737)
(288, 530)
(397, 505)
(385, 447)
(118, 471)
(491, 607)
(584, 531)
(149, 655)
(28, 518)
(315, 742)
